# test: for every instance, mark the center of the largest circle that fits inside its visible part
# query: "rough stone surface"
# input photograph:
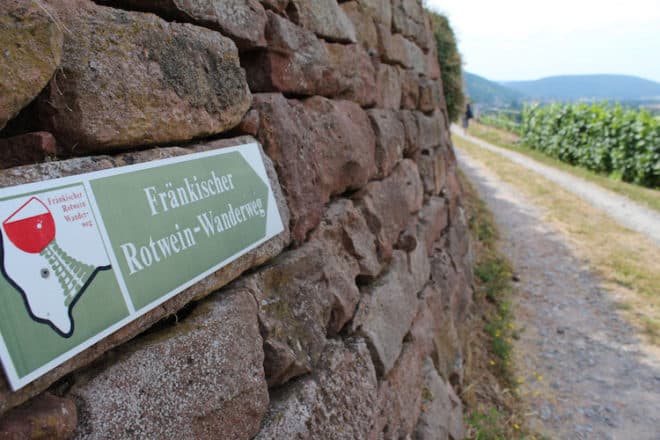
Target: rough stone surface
(178, 81)
(453, 190)
(388, 87)
(386, 312)
(390, 139)
(323, 17)
(320, 148)
(432, 63)
(344, 223)
(196, 379)
(381, 10)
(442, 413)
(433, 169)
(403, 190)
(299, 295)
(411, 130)
(433, 220)
(310, 292)
(275, 5)
(27, 149)
(412, 241)
(408, 18)
(430, 129)
(400, 397)
(428, 321)
(416, 60)
(46, 417)
(258, 256)
(456, 425)
(31, 45)
(336, 402)
(447, 285)
(250, 123)
(241, 20)
(409, 89)
(363, 23)
(297, 62)
(392, 48)
(353, 76)
(429, 95)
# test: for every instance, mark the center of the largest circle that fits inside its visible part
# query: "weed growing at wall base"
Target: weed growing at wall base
(493, 411)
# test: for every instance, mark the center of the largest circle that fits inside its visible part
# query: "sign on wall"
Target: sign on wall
(83, 256)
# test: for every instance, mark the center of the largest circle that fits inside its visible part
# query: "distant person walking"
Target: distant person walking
(467, 116)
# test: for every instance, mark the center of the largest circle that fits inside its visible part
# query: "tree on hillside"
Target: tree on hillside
(450, 64)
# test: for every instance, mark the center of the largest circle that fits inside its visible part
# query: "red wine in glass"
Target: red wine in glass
(31, 227)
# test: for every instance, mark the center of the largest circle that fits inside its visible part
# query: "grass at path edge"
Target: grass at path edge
(493, 411)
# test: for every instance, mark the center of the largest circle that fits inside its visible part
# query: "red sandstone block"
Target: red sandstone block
(392, 48)
(44, 417)
(320, 148)
(409, 89)
(323, 17)
(390, 139)
(297, 62)
(388, 87)
(408, 18)
(429, 95)
(26, 149)
(365, 28)
(387, 204)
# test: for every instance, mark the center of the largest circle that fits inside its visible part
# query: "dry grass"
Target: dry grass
(493, 135)
(627, 261)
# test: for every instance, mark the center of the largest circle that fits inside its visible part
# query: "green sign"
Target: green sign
(84, 255)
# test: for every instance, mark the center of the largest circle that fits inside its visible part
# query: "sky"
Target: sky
(530, 39)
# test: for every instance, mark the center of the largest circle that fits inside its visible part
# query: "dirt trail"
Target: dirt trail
(584, 373)
(622, 209)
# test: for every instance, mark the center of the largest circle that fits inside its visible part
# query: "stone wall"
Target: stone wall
(347, 325)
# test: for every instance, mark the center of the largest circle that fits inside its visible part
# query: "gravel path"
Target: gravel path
(621, 209)
(583, 373)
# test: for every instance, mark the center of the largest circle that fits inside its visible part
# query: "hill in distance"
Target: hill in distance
(491, 94)
(579, 87)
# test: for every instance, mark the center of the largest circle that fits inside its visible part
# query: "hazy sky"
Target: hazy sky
(528, 39)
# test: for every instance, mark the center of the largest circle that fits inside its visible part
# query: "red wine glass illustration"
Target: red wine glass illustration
(31, 227)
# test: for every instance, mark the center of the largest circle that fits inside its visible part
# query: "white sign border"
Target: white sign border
(252, 154)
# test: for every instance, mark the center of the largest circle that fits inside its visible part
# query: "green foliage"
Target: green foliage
(489, 425)
(494, 275)
(450, 65)
(599, 137)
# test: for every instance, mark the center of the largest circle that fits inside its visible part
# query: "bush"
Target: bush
(599, 137)
(450, 65)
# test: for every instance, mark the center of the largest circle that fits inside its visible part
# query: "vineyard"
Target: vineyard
(608, 139)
